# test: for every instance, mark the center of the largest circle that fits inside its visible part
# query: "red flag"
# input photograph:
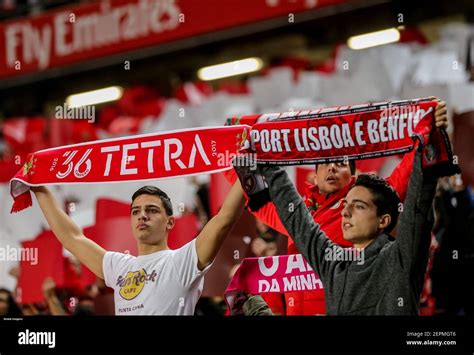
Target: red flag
(185, 229)
(49, 263)
(219, 188)
(115, 234)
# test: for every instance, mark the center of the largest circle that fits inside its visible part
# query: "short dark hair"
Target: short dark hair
(153, 190)
(384, 196)
(352, 166)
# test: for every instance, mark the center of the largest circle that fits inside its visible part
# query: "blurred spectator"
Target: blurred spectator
(427, 300)
(8, 5)
(454, 262)
(265, 243)
(14, 271)
(54, 304)
(85, 307)
(210, 306)
(86, 302)
(103, 297)
(30, 309)
(196, 199)
(8, 307)
(201, 199)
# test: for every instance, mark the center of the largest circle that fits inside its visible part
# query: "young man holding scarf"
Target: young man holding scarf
(159, 281)
(331, 184)
(391, 277)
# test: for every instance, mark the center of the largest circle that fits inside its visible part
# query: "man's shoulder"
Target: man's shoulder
(116, 253)
(116, 257)
(184, 249)
(387, 240)
(382, 244)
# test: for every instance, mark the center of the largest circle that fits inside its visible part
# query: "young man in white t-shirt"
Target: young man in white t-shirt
(159, 281)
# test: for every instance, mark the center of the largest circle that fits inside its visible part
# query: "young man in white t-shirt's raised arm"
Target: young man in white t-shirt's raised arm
(159, 281)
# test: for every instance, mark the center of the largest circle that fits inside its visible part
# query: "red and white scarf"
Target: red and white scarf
(142, 157)
(288, 138)
(342, 133)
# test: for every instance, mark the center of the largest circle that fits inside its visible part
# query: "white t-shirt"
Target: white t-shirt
(167, 282)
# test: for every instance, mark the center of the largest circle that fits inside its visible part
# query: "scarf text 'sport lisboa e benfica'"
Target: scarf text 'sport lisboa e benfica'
(341, 133)
(305, 137)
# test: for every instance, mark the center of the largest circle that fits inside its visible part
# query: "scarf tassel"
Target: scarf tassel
(21, 202)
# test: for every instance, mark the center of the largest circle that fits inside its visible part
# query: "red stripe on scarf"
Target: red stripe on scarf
(309, 139)
(143, 157)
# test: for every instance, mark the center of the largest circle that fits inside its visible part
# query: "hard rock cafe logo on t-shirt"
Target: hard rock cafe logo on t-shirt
(132, 284)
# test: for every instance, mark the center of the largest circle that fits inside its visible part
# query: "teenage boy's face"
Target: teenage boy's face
(360, 222)
(332, 177)
(150, 223)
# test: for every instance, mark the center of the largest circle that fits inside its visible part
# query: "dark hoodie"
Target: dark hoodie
(390, 280)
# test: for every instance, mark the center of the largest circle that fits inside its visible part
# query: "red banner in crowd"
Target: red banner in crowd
(83, 32)
(143, 157)
(277, 274)
(43, 258)
(357, 132)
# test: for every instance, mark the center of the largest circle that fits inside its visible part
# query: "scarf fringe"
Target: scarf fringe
(21, 202)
